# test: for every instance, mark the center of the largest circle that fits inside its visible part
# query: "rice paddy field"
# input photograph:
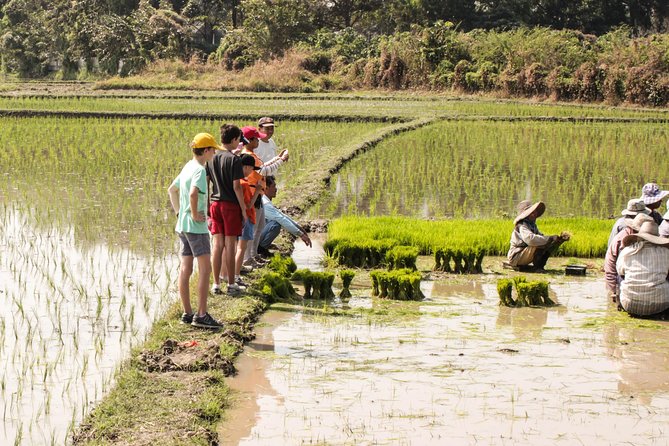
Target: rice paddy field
(88, 257)
(483, 169)
(392, 107)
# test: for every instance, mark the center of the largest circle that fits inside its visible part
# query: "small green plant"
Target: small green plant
(528, 294)
(347, 276)
(359, 253)
(402, 257)
(285, 266)
(276, 287)
(461, 261)
(399, 284)
(317, 285)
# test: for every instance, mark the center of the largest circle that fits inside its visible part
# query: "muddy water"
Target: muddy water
(462, 370)
(70, 313)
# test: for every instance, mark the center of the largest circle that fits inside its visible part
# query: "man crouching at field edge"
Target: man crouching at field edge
(528, 244)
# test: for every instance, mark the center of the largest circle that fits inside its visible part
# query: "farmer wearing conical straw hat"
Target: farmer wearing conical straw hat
(644, 265)
(528, 244)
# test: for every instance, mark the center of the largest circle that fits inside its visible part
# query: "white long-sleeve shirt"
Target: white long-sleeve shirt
(266, 150)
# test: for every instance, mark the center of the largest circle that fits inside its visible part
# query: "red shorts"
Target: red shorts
(225, 217)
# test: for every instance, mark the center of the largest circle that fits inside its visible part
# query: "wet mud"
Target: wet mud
(457, 368)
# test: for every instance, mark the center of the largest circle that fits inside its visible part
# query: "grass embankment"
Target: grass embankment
(390, 107)
(171, 390)
(589, 236)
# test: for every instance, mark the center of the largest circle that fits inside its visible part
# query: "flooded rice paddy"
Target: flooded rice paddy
(455, 369)
(483, 169)
(71, 310)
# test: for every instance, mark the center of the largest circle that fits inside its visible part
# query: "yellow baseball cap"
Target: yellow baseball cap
(204, 140)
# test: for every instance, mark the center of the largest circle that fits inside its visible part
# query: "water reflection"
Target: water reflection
(526, 323)
(463, 370)
(643, 360)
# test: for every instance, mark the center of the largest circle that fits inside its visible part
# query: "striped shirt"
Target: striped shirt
(644, 267)
(612, 252)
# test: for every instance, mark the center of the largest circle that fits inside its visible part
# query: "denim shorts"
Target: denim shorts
(194, 245)
(247, 230)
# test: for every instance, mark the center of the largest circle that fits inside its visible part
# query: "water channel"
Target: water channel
(454, 369)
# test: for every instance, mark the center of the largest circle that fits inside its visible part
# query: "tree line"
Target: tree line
(122, 36)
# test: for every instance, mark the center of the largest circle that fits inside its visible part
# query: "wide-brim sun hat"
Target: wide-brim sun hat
(648, 232)
(651, 193)
(634, 207)
(639, 220)
(526, 207)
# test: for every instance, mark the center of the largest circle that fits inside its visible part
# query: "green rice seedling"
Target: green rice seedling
(459, 240)
(504, 290)
(283, 265)
(276, 286)
(317, 285)
(471, 181)
(347, 276)
(399, 284)
(359, 253)
(527, 293)
(402, 257)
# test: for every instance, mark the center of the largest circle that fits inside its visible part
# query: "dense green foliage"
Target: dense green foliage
(391, 44)
(589, 236)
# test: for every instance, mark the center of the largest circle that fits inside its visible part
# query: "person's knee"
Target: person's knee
(217, 244)
(187, 268)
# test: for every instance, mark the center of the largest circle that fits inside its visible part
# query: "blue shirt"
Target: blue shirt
(273, 214)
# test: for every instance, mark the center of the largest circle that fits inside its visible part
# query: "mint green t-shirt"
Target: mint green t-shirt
(193, 174)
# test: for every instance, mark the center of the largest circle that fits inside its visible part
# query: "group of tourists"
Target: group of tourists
(636, 266)
(237, 212)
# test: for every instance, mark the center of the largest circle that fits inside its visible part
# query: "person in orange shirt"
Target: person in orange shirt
(251, 194)
(257, 180)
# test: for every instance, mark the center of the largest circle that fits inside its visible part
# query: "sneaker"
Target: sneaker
(205, 321)
(240, 282)
(235, 289)
(264, 252)
(246, 268)
(216, 289)
(186, 318)
(260, 259)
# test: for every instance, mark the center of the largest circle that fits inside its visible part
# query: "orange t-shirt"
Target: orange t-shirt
(254, 177)
(248, 195)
